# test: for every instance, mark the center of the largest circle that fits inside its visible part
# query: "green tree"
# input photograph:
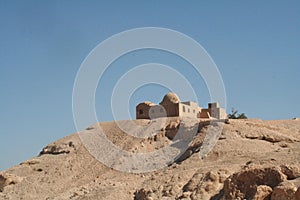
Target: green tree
(235, 115)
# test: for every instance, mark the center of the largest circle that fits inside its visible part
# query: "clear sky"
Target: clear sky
(255, 44)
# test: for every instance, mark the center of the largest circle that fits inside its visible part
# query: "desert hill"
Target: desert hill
(252, 159)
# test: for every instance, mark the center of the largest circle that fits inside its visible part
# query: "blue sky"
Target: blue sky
(255, 44)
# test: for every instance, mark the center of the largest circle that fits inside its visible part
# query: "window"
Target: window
(188, 110)
(141, 111)
(183, 108)
(193, 111)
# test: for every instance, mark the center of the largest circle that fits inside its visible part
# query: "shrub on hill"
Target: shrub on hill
(235, 115)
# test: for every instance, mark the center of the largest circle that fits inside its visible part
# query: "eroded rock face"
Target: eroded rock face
(297, 194)
(263, 192)
(291, 171)
(245, 184)
(172, 129)
(161, 192)
(8, 179)
(275, 183)
(202, 186)
(2, 182)
(141, 194)
(58, 148)
(285, 190)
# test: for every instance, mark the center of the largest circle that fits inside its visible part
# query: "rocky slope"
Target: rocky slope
(252, 159)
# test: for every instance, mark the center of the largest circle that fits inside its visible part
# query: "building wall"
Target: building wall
(172, 109)
(151, 111)
(188, 109)
(205, 113)
(142, 111)
(223, 114)
(157, 111)
(216, 111)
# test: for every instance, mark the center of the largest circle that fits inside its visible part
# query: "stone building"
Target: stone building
(171, 106)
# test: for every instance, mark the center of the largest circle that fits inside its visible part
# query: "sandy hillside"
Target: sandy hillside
(252, 159)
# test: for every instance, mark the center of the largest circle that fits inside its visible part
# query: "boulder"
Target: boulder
(59, 148)
(250, 183)
(284, 191)
(263, 192)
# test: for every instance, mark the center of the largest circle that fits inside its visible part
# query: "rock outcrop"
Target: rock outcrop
(8, 179)
(249, 159)
(58, 148)
(263, 183)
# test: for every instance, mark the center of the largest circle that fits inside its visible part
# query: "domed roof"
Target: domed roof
(148, 103)
(170, 98)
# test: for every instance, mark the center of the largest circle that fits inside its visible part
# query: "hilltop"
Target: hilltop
(252, 159)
